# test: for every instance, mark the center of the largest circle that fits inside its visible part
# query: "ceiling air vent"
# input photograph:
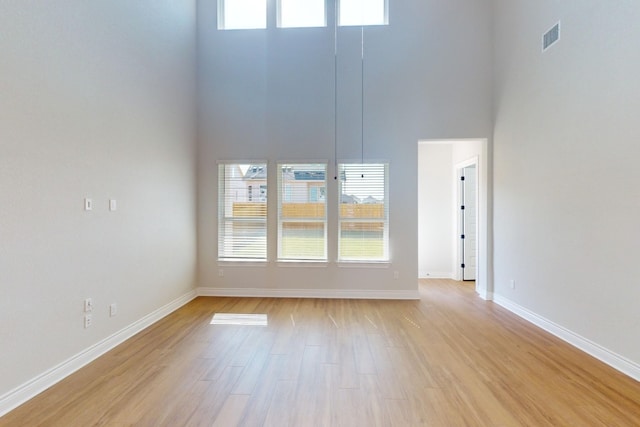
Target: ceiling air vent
(550, 37)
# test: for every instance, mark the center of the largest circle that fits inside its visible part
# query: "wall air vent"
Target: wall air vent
(551, 37)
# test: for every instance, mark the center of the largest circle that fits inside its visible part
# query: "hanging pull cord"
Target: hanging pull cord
(335, 91)
(362, 96)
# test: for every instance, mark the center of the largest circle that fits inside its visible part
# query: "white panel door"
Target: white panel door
(469, 225)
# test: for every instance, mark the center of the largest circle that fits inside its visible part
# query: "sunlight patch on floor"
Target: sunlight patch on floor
(240, 319)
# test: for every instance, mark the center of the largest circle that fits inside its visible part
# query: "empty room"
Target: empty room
(215, 212)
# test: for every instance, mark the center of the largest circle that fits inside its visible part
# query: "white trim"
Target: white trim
(367, 161)
(457, 242)
(472, 161)
(486, 295)
(309, 293)
(302, 263)
(363, 264)
(37, 385)
(436, 275)
(241, 162)
(607, 356)
(445, 141)
(242, 262)
(280, 201)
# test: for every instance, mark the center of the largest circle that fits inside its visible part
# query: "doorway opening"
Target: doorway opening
(449, 238)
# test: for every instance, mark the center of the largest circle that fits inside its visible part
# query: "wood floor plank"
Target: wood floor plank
(347, 372)
(279, 412)
(232, 410)
(262, 396)
(252, 373)
(449, 359)
(212, 401)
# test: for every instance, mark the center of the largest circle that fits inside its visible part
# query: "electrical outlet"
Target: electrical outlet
(512, 284)
(87, 321)
(113, 205)
(88, 204)
(396, 275)
(88, 305)
(221, 273)
(113, 309)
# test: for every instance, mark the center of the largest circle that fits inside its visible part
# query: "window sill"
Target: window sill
(303, 263)
(364, 264)
(240, 262)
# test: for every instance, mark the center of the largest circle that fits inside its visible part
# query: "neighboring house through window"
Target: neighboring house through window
(242, 211)
(363, 215)
(302, 213)
(364, 212)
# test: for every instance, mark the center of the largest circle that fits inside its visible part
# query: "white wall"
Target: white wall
(96, 101)
(566, 163)
(268, 94)
(466, 150)
(436, 216)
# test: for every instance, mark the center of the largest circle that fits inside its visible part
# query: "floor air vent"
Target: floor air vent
(550, 37)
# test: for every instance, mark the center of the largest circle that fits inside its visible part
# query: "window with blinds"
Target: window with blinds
(242, 211)
(363, 233)
(302, 213)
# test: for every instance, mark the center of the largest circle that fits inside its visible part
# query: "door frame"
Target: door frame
(458, 245)
(484, 270)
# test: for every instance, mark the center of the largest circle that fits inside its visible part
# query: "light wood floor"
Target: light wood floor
(449, 359)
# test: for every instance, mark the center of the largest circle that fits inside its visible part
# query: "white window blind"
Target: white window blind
(364, 212)
(301, 13)
(242, 14)
(302, 213)
(242, 211)
(362, 12)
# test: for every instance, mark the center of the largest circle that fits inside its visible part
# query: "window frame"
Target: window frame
(225, 220)
(386, 253)
(286, 191)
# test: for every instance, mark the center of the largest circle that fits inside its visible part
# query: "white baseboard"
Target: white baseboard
(485, 294)
(612, 359)
(30, 389)
(436, 275)
(309, 293)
